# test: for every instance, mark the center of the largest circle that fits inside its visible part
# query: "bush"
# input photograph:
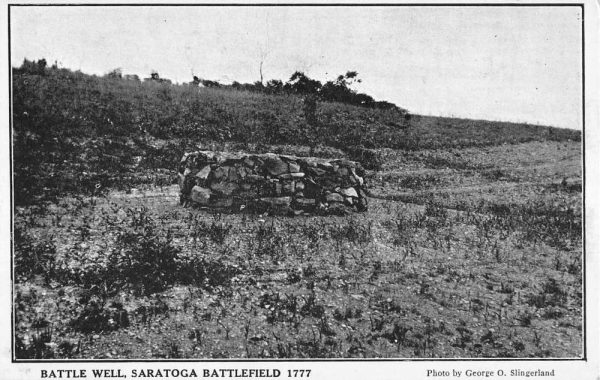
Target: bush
(142, 257)
(33, 258)
(96, 317)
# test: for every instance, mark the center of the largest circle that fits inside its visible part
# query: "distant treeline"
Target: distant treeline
(338, 90)
(299, 83)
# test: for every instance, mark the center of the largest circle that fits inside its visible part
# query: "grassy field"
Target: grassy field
(471, 246)
(467, 264)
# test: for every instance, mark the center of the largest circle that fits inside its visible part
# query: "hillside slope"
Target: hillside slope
(74, 132)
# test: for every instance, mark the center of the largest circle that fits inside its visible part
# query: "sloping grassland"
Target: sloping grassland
(471, 246)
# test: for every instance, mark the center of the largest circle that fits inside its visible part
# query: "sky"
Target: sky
(519, 64)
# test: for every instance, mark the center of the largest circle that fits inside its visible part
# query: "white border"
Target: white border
(580, 369)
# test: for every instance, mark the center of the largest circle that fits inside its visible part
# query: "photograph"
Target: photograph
(275, 182)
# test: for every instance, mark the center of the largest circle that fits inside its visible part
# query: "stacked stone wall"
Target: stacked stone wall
(278, 184)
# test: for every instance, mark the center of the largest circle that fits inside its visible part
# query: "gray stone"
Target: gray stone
(350, 180)
(291, 175)
(221, 172)
(275, 166)
(245, 195)
(233, 174)
(288, 187)
(254, 178)
(241, 171)
(342, 171)
(201, 195)
(293, 167)
(325, 166)
(334, 197)
(278, 186)
(277, 201)
(249, 162)
(356, 177)
(308, 161)
(349, 192)
(225, 188)
(316, 172)
(277, 205)
(222, 202)
(180, 181)
(203, 173)
(299, 186)
(305, 202)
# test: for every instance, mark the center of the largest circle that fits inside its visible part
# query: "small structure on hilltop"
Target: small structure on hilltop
(278, 184)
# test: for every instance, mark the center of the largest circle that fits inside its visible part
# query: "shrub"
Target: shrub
(33, 258)
(97, 317)
(142, 258)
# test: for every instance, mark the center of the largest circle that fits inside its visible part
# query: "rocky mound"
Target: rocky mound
(277, 184)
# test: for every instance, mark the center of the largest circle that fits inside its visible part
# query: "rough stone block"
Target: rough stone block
(334, 197)
(291, 176)
(203, 173)
(233, 175)
(225, 188)
(325, 166)
(221, 173)
(277, 205)
(305, 202)
(180, 181)
(201, 195)
(274, 165)
(222, 202)
(293, 167)
(315, 172)
(254, 178)
(277, 187)
(342, 171)
(288, 187)
(349, 192)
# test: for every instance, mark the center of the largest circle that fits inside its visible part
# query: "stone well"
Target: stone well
(277, 184)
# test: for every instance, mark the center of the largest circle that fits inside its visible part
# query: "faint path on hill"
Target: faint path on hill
(461, 189)
(530, 168)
